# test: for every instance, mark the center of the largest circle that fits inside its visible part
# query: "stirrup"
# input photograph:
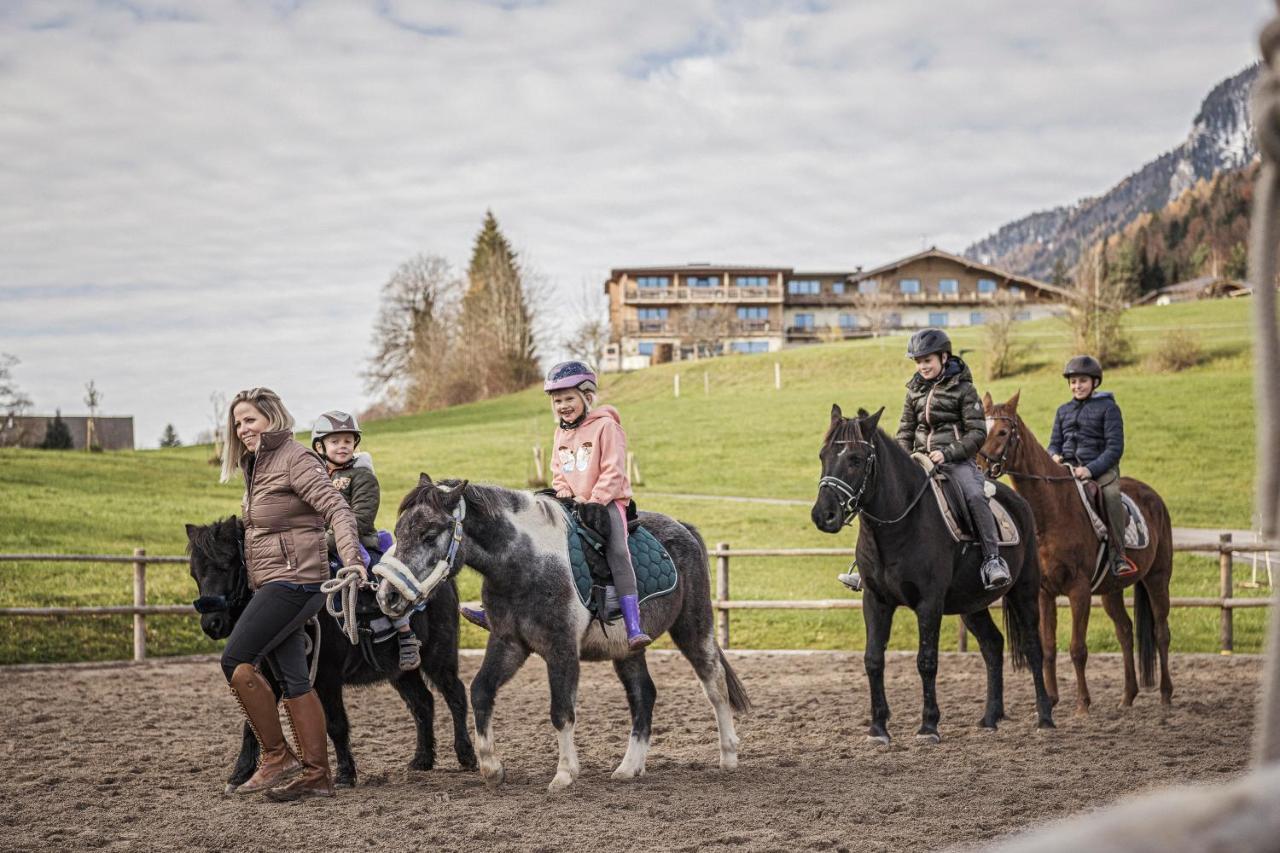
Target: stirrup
(995, 574)
(853, 580)
(1124, 569)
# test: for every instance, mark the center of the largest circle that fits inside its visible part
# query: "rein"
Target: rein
(997, 467)
(851, 499)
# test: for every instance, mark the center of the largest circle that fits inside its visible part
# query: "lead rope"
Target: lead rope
(1263, 239)
(347, 583)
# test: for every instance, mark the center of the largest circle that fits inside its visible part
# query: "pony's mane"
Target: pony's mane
(483, 500)
(216, 542)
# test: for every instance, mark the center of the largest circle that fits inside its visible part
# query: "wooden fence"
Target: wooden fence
(724, 604)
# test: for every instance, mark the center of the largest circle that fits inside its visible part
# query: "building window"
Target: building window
(909, 285)
(986, 285)
(653, 281)
(1015, 291)
(651, 313)
(938, 319)
(948, 286)
(645, 348)
(750, 346)
(803, 321)
(869, 285)
(703, 281)
(806, 287)
(976, 318)
(752, 281)
(848, 321)
(837, 287)
(893, 320)
(753, 312)
(1022, 315)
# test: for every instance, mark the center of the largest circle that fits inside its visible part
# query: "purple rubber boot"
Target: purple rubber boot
(636, 637)
(475, 617)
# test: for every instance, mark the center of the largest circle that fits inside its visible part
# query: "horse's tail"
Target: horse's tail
(1015, 628)
(738, 699)
(1145, 627)
(702, 544)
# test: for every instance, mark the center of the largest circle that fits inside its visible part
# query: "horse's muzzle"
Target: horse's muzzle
(391, 602)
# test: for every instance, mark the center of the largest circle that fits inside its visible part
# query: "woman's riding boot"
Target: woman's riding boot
(306, 717)
(636, 637)
(276, 761)
(475, 616)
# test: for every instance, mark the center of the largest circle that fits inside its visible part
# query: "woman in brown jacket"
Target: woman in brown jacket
(287, 501)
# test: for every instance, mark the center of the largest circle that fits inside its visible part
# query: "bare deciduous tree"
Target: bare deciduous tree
(707, 329)
(1096, 315)
(590, 339)
(13, 402)
(1003, 353)
(878, 309)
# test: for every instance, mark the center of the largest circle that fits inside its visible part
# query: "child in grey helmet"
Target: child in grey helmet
(335, 436)
(942, 418)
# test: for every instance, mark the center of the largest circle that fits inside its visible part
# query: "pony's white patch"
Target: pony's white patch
(546, 530)
(632, 764)
(717, 690)
(991, 424)
(490, 765)
(567, 768)
(593, 643)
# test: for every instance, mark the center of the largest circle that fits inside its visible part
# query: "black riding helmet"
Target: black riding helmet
(1084, 365)
(927, 342)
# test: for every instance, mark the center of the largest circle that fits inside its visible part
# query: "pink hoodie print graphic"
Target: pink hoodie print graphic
(591, 460)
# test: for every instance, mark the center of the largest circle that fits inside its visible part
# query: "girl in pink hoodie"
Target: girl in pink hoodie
(589, 465)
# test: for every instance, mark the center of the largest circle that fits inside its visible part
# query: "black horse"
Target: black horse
(217, 564)
(907, 558)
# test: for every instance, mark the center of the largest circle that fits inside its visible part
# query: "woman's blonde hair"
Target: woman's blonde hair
(272, 407)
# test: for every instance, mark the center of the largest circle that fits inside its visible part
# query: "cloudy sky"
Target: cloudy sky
(205, 196)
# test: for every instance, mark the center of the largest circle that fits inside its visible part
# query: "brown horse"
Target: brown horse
(1068, 554)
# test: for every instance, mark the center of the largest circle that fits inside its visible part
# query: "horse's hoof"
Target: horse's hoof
(493, 775)
(623, 774)
(344, 783)
(729, 763)
(1081, 711)
(929, 738)
(987, 725)
(562, 780)
(422, 763)
(230, 789)
(882, 740)
(1046, 724)
(467, 759)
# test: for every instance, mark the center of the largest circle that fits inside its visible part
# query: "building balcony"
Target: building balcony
(668, 295)
(821, 298)
(673, 328)
(825, 333)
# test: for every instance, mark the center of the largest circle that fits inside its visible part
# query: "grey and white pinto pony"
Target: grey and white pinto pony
(517, 541)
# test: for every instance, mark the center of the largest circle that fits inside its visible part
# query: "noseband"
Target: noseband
(850, 498)
(996, 467)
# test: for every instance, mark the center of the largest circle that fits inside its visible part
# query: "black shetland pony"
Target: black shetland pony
(908, 559)
(217, 564)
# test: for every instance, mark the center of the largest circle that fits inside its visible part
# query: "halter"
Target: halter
(414, 590)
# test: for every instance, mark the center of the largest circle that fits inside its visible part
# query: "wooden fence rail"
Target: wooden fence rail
(724, 604)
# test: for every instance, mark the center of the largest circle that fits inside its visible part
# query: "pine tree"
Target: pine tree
(496, 321)
(57, 436)
(169, 438)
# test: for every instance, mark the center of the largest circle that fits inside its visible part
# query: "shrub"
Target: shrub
(1177, 351)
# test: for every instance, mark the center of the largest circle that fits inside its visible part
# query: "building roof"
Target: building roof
(1195, 285)
(935, 252)
(693, 268)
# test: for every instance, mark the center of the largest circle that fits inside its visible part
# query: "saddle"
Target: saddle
(955, 511)
(1137, 533)
(656, 574)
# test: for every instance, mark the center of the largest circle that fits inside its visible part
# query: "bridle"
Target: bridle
(851, 498)
(997, 467)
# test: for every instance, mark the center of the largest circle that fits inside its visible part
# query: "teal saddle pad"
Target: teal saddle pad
(655, 570)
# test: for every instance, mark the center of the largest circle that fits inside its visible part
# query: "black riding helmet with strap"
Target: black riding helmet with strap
(1084, 365)
(927, 342)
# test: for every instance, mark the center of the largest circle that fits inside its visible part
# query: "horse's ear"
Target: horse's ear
(986, 403)
(869, 421)
(452, 496)
(1013, 401)
(424, 479)
(863, 414)
(191, 529)
(836, 414)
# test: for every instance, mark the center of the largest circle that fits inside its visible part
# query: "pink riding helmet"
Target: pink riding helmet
(570, 374)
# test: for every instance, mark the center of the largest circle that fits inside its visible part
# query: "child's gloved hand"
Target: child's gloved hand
(564, 494)
(937, 457)
(1057, 458)
(1081, 473)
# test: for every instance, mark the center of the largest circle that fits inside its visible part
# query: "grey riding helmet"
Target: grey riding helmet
(331, 422)
(1084, 365)
(927, 342)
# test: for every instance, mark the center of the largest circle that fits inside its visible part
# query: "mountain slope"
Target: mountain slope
(1221, 139)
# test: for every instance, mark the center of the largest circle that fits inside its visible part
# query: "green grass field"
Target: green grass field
(1190, 434)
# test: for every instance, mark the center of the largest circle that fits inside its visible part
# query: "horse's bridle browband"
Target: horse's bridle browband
(851, 499)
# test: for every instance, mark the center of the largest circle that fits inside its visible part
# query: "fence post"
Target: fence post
(962, 644)
(139, 600)
(777, 376)
(706, 382)
(676, 383)
(1225, 570)
(722, 593)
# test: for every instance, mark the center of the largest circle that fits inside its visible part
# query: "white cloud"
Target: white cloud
(212, 195)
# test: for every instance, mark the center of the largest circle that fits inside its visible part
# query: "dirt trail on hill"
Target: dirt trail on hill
(135, 758)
